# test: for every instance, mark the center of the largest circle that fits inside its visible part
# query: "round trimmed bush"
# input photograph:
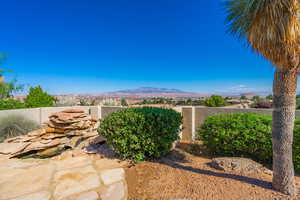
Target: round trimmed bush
(244, 135)
(141, 133)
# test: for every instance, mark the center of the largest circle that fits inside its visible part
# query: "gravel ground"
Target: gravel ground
(183, 176)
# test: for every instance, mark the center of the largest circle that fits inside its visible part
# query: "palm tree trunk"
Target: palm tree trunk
(284, 102)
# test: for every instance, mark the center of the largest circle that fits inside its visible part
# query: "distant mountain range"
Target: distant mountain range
(149, 90)
(153, 92)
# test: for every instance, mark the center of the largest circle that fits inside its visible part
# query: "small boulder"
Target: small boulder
(240, 165)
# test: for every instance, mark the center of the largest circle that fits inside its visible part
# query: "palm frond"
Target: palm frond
(270, 27)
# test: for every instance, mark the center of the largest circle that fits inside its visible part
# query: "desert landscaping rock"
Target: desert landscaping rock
(12, 148)
(112, 175)
(241, 165)
(67, 129)
(70, 173)
(39, 132)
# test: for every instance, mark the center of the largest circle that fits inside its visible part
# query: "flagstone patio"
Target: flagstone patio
(83, 177)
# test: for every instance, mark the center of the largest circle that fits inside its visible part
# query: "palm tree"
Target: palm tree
(272, 29)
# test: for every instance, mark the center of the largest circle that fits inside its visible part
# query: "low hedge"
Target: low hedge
(141, 133)
(244, 135)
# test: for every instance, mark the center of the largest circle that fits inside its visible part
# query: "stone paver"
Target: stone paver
(74, 162)
(115, 191)
(112, 175)
(106, 163)
(81, 177)
(43, 195)
(31, 180)
(72, 181)
(88, 196)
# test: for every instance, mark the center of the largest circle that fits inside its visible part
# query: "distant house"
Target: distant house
(233, 101)
(249, 95)
(154, 105)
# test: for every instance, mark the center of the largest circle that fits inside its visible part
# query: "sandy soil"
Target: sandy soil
(183, 176)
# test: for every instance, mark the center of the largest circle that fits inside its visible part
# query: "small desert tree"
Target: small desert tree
(37, 97)
(215, 101)
(7, 88)
(124, 102)
(269, 97)
(272, 29)
(3, 58)
(243, 97)
(256, 98)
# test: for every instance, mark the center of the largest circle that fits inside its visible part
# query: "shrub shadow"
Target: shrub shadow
(175, 163)
(102, 149)
(195, 148)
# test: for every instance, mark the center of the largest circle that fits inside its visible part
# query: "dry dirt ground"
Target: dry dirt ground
(184, 176)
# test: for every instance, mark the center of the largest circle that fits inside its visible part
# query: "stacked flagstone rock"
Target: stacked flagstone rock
(69, 129)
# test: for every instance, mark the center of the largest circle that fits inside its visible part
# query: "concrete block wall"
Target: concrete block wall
(41, 115)
(31, 113)
(193, 116)
(105, 110)
(187, 124)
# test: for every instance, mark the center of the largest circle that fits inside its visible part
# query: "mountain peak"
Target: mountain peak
(150, 90)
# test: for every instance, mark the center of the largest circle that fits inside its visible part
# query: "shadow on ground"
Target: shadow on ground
(102, 149)
(177, 159)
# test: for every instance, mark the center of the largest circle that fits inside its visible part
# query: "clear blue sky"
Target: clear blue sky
(75, 46)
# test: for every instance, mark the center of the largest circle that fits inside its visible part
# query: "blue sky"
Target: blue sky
(92, 46)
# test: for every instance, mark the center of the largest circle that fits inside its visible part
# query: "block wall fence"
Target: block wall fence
(193, 116)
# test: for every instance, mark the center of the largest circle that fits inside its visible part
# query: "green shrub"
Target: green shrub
(37, 97)
(141, 133)
(215, 101)
(9, 103)
(15, 125)
(244, 135)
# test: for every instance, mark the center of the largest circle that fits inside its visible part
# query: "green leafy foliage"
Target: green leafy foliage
(243, 97)
(37, 97)
(215, 101)
(298, 101)
(8, 88)
(141, 133)
(15, 125)
(256, 99)
(244, 135)
(124, 102)
(269, 97)
(9, 103)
